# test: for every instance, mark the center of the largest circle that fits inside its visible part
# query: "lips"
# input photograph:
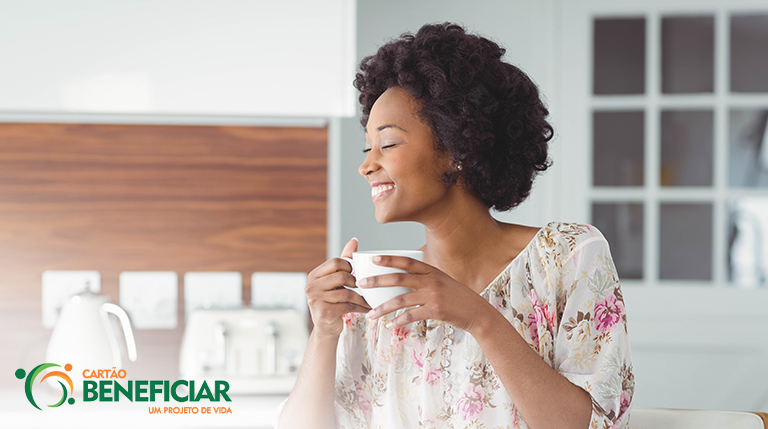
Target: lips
(381, 190)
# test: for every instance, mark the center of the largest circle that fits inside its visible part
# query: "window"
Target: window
(679, 146)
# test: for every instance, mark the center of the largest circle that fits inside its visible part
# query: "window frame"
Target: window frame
(576, 127)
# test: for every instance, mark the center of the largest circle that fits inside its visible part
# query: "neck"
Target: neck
(464, 241)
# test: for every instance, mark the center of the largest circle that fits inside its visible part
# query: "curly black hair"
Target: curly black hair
(485, 113)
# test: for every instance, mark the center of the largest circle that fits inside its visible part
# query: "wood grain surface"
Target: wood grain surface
(116, 198)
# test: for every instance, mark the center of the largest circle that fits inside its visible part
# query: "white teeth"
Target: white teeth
(376, 190)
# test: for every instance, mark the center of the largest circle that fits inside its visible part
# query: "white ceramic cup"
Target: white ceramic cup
(363, 267)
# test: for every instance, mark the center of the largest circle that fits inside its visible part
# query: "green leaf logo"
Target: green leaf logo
(20, 373)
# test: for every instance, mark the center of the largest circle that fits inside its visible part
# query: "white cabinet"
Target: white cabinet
(292, 58)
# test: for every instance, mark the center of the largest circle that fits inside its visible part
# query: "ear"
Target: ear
(451, 177)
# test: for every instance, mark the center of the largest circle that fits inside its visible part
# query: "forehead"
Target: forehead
(397, 107)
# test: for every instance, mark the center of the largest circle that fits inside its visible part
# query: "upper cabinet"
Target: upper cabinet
(292, 58)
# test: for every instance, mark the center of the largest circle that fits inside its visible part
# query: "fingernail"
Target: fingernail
(377, 258)
(355, 238)
(371, 314)
(388, 325)
(362, 282)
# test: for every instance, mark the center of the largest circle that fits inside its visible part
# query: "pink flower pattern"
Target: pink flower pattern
(540, 314)
(626, 399)
(470, 405)
(401, 333)
(608, 312)
(363, 399)
(349, 319)
(433, 376)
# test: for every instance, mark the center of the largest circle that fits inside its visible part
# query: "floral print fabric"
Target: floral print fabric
(561, 293)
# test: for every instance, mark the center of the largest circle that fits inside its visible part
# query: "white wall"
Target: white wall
(181, 57)
(523, 27)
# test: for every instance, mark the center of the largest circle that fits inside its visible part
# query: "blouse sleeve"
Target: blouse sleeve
(350, 395)
(352, 405)
(592, 346)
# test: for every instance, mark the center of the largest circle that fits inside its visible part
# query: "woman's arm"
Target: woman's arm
(311, 402)
(544, 398)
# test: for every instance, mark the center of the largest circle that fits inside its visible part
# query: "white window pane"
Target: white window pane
(748, 242)
(748, 151)
(619, 56)
(622, 226)
(686, 147)
(617, 152)
(687, 54)
(749, 53)
(685, 242)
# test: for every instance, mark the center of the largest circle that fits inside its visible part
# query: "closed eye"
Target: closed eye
(366, 150)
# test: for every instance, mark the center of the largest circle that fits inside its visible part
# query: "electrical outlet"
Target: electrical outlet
(150, 298)
(279, 290)
(212, 290)
(58, 286)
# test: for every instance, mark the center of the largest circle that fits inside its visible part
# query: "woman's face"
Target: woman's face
(401, 164)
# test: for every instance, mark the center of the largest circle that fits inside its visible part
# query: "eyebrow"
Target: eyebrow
(390, 126)
(385, 126)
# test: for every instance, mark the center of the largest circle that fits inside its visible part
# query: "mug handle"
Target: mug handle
(351, 262)
(353, 289)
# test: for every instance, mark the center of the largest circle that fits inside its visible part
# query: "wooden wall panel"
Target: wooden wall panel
(118, 198)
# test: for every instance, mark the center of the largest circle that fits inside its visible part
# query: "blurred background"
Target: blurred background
(189, 160)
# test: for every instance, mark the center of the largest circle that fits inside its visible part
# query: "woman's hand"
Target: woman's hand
(328, 299)
(437, 295)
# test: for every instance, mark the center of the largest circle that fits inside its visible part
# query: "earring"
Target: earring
(458, 167)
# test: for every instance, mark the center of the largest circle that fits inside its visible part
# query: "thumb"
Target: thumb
(350, 247)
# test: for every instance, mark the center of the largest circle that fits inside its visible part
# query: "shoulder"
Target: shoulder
(570, 237)
(563, 242)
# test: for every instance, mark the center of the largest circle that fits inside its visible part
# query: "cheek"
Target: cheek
(431, 184)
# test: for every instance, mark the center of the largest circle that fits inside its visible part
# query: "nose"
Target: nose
(370, 164)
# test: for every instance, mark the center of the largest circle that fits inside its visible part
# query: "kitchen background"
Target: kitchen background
(198, 136)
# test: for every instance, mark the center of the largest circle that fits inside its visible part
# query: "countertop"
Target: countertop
(248, 411)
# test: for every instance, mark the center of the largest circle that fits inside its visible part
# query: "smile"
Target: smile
(379, 192)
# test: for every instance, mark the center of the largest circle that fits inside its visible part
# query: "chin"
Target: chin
(382, 217)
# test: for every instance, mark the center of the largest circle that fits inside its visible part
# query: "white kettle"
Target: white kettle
(84, 336)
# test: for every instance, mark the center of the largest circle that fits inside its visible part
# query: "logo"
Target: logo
(20, 373)
(111, 385)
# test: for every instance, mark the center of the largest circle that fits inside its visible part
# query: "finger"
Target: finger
(343, 295)
(329, 267)
(409, 316)
(350, 248)
(404, 263)
(410, 299)
(334, 280)
(346, 307)
(413, 281)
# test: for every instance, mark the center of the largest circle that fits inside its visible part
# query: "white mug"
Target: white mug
(363, 267)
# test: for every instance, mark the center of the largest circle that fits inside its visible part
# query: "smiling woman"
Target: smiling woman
(507, 325)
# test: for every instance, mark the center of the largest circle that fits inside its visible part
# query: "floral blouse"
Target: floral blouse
(562, 295)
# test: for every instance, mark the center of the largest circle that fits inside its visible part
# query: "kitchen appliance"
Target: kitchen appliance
(257, 350)
(84, 335)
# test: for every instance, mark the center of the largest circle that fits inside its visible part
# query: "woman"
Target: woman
(508, 325)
